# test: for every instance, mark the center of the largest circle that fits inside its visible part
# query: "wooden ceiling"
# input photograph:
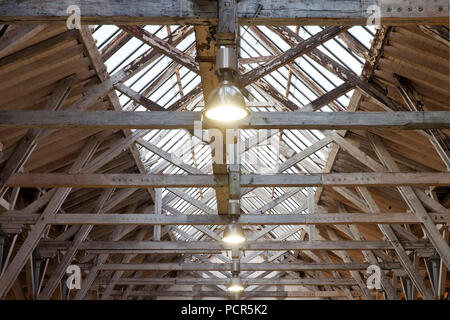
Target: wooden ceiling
(47, 67)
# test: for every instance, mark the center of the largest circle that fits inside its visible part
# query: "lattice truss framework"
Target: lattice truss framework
(163, 72)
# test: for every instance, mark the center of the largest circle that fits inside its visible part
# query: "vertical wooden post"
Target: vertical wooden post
(158, 211)
(311, 207)
(36, 273)
(2, 243)
(443, 268)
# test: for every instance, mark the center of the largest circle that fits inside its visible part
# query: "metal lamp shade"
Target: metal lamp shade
(233, 234)
(226, 104)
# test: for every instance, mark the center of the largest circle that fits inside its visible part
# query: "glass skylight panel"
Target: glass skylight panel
(301, 93)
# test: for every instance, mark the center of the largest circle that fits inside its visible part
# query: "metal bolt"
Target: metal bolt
(409, 9)
(419, 8)
(440, 8)
(399, 9)
(388, 9)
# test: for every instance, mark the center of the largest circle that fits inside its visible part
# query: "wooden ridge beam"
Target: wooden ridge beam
(132, 180)
(18, 217)
(257, 120)
(311, 12)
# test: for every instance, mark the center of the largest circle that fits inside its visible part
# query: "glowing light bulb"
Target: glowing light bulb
(226, 104)
(233, 234)
(235, 285)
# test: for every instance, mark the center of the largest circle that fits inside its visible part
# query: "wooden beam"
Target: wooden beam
(353, 232)
(126, 259)
(257, 120)
(114, 45)
(221, 294)
(439, 33)
(290, 55)
(339, 70)
(296, 158)
(16, 36)
(158, 213)
(17, 217)
(413, 202)
(402, 255)
(442, 283)
(100, 68)
(216, 246)
(169, 157)
(139, 98)
(328, 97)
(206, 51)
(163, 47)
(345, 256)
(30, 243)
(97, 91)
(28, 143)
(116, 235)
(247, 281)
(332, 155)
(250, 180)
(196, 203)
(438, 139)
(311, 12)
(83, 232)
(243, 266)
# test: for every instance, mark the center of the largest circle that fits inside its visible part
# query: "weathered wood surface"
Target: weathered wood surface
(162, 46)
(257, 120)
(247, 281)
(252, 294)
(243, 266)
(18, 217)
(311, 12)
(215, 246)
(249, 180)
(290, 55)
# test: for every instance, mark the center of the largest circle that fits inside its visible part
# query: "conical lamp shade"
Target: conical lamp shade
(226, 103)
